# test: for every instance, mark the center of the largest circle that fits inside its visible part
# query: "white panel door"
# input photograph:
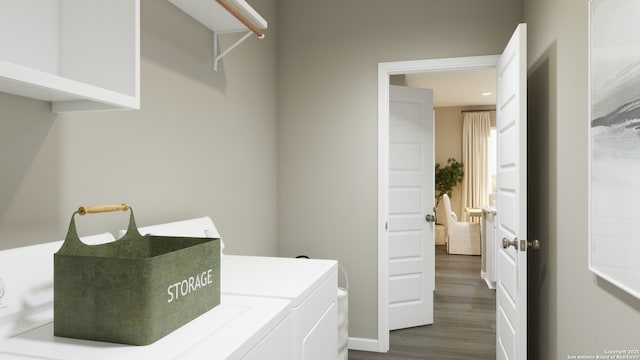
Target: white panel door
(411, 198)
(511, 219)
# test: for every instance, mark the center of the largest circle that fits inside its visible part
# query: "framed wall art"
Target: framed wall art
(614, 142)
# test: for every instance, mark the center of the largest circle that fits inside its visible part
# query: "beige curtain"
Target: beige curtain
(475, 157)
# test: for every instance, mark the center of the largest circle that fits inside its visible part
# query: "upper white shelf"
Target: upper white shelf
(80, 55)
(223, 16)
(212, 15)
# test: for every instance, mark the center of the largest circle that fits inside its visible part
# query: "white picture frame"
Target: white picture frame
(614, 142)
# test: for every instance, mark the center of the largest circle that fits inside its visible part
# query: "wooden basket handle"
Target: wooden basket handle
(83, 210)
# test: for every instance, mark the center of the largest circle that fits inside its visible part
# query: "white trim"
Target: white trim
(384, 71)
(383, 207)
(485, 276)
(363, 344)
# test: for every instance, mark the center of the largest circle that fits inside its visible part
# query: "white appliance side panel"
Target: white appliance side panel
(315, 322)
(314, 306)
(321, 343)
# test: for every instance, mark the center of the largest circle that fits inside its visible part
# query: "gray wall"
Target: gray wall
(448, 144)
(328, 53)
(204, 143)
(572, 312)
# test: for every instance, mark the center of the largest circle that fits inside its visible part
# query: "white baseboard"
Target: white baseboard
(485, 276)
(363, 344)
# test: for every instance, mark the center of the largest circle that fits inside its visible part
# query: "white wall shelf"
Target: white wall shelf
(220, 20)
(81, 55)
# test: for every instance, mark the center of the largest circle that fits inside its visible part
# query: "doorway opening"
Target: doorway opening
(385, 72)
(456, 94)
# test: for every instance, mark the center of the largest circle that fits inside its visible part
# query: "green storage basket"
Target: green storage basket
(134, 290)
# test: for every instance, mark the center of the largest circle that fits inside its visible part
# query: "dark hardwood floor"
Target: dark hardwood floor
(464, 318)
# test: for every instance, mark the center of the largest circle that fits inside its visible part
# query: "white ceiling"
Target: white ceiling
(457, 88)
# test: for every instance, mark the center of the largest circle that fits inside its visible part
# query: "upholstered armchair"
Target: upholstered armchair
(462, 237)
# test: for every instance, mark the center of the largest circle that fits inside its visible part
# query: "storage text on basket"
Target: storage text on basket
(189, 285)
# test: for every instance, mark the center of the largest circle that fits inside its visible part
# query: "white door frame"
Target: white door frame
(385, 70)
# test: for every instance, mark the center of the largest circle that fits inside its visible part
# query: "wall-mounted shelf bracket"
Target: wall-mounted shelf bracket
(217, 57)
(222, 17)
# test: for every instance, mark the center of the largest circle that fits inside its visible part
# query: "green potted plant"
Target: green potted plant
(447, 177)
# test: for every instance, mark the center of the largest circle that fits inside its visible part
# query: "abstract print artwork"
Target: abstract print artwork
(614, 117)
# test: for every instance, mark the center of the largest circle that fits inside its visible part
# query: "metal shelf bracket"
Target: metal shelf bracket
(217, 57)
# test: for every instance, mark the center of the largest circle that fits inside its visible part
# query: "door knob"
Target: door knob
(522, 244)
(506, 243)
(430, 218)
(528, 244)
